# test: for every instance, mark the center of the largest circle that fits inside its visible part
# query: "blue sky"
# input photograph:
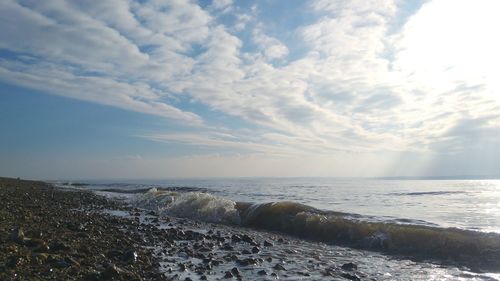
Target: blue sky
(157, 89)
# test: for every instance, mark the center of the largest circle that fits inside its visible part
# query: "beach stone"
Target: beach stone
(42, 248)
(247, 262)
(262, 272)
(228, 275)
(35, 242)
(14, 261)
(235, 238)
(113, 271)
(279, 267)
(255, 250)
(349, 266)
(130, 256)
(268, 244)
(235, 271)
(59, 246)
(17, 235)
(245, 252)
(248, 239)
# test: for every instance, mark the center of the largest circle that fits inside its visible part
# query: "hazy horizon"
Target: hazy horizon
(225, 88)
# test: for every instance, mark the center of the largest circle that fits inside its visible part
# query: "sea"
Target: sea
(439, 229)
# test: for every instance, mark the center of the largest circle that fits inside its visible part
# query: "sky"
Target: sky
(225, 88)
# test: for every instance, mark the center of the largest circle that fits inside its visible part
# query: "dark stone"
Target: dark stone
(279, 267)
(228, 275)
(255, 250)
(14, 261)
(59, 246)
(113, 271)
(235, 238)
(267, 244)
(349, 266)
(245, 252)
(235, 271)
(17, 235)
(247, 262)
(130, 256)
(262, 272)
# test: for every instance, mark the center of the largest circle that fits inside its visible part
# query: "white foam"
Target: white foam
(193, 205)
(204, 207)
(155, 199)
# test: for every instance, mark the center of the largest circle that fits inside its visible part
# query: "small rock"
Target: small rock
(130, 256)
(14, 261)
(349, 266)
(59, 246)
(268, 244)
(255, 250)
(17, 235)
(235, 271)
(43, 248)
(228, 275)
(235, 238)
(245, 252)
(262, 272)
(113, 271)
(279, 267)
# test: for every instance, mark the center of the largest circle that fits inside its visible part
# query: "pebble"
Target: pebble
(279, 267)
(349, 266)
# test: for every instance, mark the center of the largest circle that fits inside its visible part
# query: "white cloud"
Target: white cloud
(353, 87)
(271, 47)
(222, 4)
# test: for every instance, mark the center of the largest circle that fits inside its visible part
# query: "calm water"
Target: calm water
(468, 204)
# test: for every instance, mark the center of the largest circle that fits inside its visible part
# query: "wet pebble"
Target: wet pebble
(352, 277)
(262, 272)
(279, 267)
(267, 243)
(349, 266)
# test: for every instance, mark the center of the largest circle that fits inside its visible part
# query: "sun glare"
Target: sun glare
(453, 41)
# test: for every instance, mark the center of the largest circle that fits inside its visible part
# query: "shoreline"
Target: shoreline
(51, 233)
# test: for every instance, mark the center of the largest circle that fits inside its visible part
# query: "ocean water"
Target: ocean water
(464, 204)
(453, 221)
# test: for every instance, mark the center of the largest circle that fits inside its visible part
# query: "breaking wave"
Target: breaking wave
(194, 205)
(400, 237)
